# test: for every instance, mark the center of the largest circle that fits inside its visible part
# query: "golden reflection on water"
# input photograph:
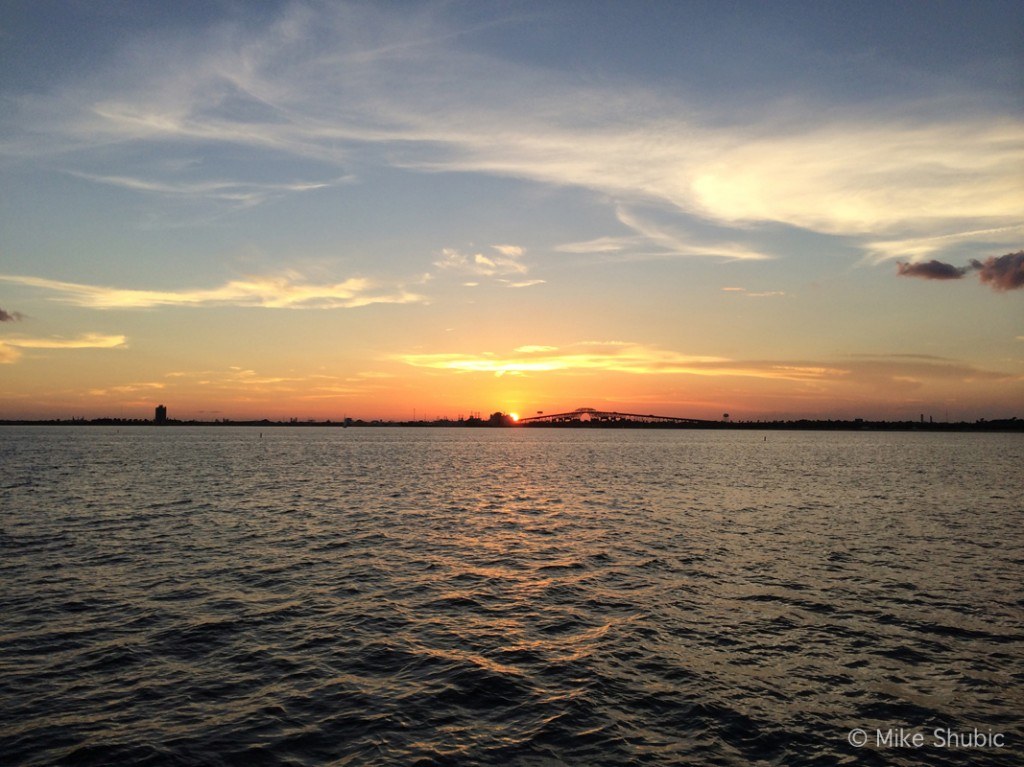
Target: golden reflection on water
(394, 595)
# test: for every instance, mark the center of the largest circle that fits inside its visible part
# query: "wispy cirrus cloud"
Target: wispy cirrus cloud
(645, 360)
(654, 240)
(129, 388)
(916, 249)
(613, 357)
(10, 348)
(308, 85)
(239, 193)
(754, 293)
(85, 341)
(287, 291)
(600, 245)
(852, 176)
(240, 383)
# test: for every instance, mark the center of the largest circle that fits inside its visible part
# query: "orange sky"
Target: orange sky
(331, 210)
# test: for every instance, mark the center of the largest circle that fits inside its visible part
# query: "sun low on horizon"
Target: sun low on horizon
(329, 210)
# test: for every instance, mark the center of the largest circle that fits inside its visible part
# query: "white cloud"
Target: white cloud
(131, 388)
(523, 283)
(660, 241)
(85, 341)
(533, 349)
(239, 193)
(757, 294)
(243, 382)
(674, 243)
(644, 360)
(284, 291)
(612, 356)
(10, 348)
(915, 249)
(505, 264)
(327, 83)
(599, 245)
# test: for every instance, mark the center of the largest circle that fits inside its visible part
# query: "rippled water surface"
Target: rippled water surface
(507, 597)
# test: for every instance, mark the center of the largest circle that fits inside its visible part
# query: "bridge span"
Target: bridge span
(590, 415)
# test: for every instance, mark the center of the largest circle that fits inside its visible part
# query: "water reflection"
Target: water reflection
(387, 596)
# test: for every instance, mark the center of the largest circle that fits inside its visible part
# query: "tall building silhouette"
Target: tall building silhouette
(161, 414)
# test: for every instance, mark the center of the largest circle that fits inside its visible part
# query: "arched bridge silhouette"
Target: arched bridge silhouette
(590, 415)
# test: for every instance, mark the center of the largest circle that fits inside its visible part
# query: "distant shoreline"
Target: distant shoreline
(999, 425)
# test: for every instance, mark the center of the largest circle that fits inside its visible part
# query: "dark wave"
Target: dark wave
(353, 597)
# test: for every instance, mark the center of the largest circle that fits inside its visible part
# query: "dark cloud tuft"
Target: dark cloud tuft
(6, 316)
(1002, 272)
(931, 270)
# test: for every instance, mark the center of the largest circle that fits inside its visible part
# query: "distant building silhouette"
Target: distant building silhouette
(161, 414)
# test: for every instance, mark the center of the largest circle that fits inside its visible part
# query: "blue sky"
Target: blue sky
(311, 207)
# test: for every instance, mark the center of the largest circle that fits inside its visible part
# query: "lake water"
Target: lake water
(399, 596)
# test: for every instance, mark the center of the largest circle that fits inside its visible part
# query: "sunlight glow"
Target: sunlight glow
(491, 190)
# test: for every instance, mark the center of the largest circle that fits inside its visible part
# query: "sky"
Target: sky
(434, 209)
